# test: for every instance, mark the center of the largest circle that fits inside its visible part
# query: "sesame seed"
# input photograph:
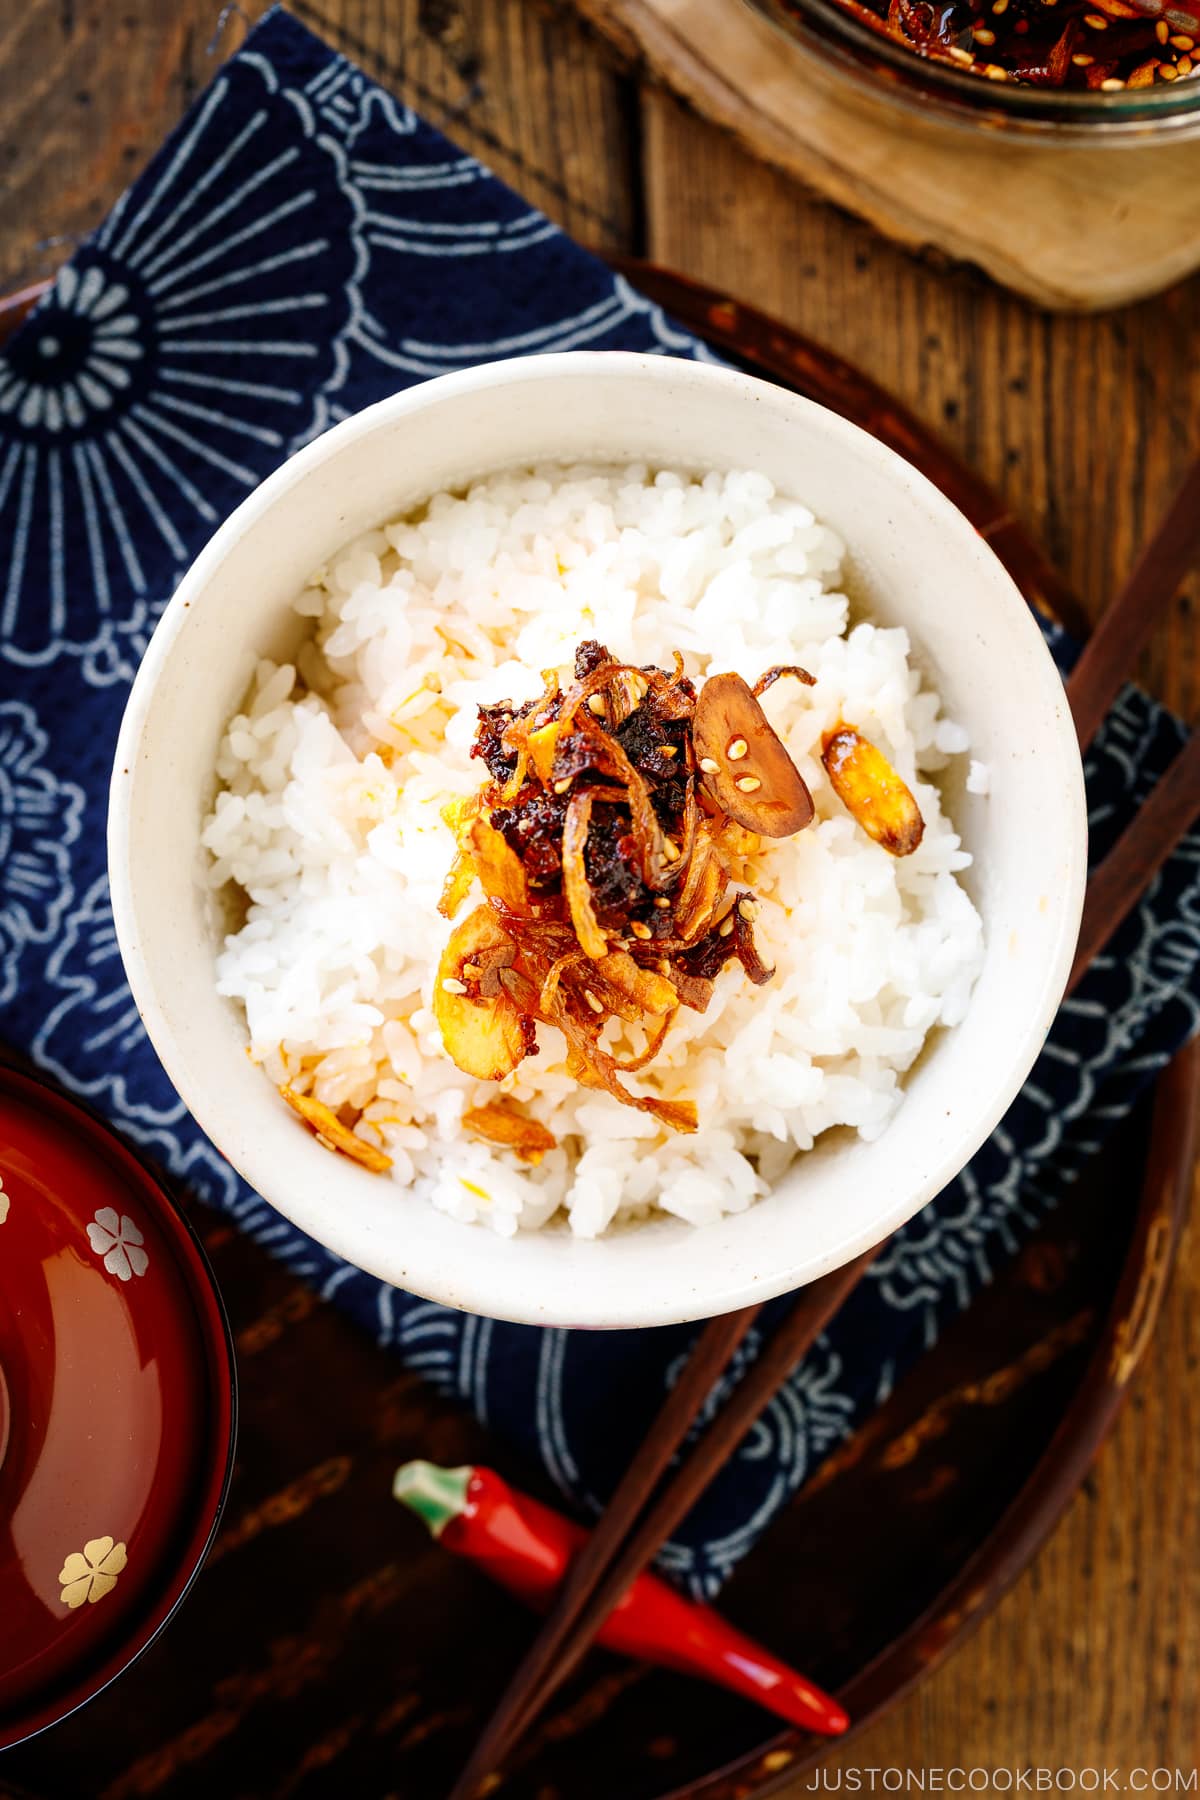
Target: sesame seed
(450, 986)
(709, 766)
(726, 926)
(598, 704)
(662, 903)
(1111, 86)
(639, 930)
(560, 787)
(1081, 61)
(1001, 6)
(748, 909)
(1167, 73)
(994, 72)
(748, 784)
(663, 966)
(1162, 31)
(1182, 42)
(736, 749)
(1184, 65)
(1097, 21)
(670, 850)
(983, 36)
(592, 1000)
(962, 56)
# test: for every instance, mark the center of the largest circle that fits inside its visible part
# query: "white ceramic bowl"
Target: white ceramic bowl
(913, 559)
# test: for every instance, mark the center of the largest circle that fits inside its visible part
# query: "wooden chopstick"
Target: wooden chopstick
(1139, 853)
(815, 1306)
(569, 1630)
(710, 1355)
(1107, 660)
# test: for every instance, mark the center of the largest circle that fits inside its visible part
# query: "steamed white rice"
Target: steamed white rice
(341, 852)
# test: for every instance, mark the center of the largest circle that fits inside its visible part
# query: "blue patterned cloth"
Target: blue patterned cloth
(301, 246)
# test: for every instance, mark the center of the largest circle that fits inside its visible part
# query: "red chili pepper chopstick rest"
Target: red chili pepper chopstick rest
(528, 1548)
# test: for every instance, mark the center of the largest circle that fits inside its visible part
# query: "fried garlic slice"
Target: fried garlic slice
(871, 791)
(486, 1035)
(330, 1131)
(499, 1123)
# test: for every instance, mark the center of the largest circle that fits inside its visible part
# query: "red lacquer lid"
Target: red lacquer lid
(117, 1406)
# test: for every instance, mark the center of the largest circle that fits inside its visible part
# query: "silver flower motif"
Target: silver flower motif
(39, 820)
(119, 1242)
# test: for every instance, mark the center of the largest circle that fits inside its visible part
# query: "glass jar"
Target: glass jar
(840, 48)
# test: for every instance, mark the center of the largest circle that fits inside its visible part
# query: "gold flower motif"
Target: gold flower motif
(93, 1574)
(119, 1242)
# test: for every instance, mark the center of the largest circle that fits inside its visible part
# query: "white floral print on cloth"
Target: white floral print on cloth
(80, 360)
(91, 1038)
(40, 818)
(119, 1241)
(303, 246)
(90, 1573)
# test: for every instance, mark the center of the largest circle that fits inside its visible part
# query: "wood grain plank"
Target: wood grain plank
(87, 93)
(1092, 1659)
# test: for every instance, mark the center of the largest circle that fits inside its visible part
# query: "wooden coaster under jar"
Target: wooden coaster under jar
(1080, 200)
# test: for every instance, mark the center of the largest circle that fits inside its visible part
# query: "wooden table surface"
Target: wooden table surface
(1083, 423)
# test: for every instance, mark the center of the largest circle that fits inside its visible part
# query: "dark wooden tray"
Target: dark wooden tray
(329, 1648)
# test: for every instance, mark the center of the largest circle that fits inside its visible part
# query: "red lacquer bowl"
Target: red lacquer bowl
(117, 1406)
